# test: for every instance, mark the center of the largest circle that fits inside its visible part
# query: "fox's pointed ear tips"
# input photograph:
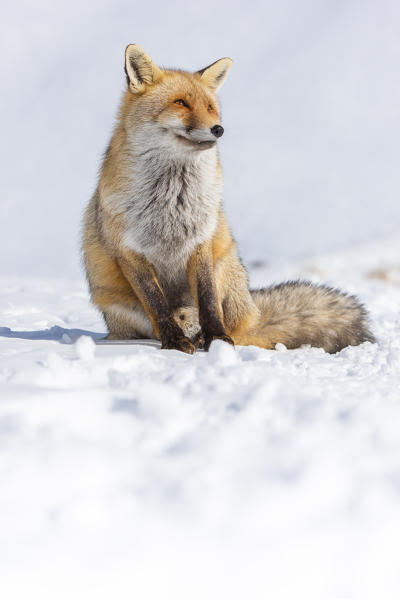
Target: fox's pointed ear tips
(133, 49)
(228, 62)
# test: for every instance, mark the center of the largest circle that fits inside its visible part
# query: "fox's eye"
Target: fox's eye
(210, 108)
(181, 102)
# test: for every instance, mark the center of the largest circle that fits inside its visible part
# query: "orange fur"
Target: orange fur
(209, 297)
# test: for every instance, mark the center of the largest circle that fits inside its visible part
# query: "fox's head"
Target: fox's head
(172, 110)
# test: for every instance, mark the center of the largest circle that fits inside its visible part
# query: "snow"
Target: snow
(127, 470)
(85, 348)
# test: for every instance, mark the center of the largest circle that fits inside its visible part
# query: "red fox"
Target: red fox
(160, 259)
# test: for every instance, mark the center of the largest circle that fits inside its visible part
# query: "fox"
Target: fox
(160, 259)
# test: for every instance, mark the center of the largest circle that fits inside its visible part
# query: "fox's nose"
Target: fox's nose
(217, 130)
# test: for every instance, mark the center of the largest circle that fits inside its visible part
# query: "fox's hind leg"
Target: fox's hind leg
(121, 309)
(112, 294)
(239, 310)
(124, 322)
(187, 317)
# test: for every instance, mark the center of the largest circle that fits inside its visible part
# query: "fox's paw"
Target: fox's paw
(172, 337)
(210, 338)
(198, 340)
(181, 343)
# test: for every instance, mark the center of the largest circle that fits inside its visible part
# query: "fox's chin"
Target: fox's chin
(196, 145)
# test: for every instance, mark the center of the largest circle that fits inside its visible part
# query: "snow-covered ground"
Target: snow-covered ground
(128, 471)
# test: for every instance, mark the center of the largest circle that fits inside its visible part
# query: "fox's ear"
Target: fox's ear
(140, 69)
(214, 75)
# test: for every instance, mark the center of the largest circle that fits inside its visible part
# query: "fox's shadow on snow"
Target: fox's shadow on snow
(53, 334)
(69, 336)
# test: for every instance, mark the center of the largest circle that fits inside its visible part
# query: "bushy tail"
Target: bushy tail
(297, 313)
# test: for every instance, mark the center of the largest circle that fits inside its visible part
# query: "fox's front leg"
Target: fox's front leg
(143, 279)
(203, 287)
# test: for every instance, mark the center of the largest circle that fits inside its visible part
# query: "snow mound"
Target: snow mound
(85, 348)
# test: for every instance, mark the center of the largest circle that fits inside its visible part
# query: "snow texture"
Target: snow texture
(127, 471)
(134, 471)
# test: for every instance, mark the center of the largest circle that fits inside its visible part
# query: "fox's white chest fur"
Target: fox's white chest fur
(172, 207)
